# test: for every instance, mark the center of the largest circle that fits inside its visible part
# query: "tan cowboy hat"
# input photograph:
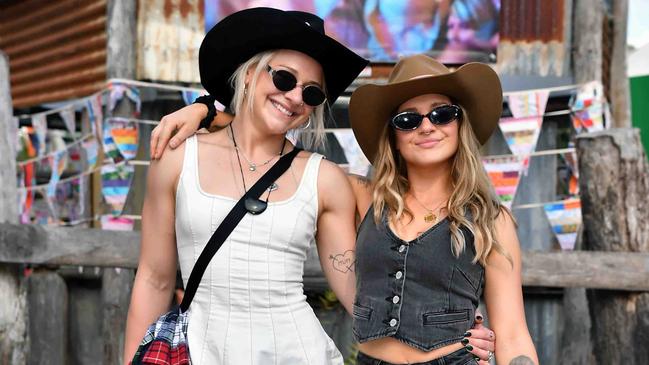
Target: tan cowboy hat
(474, 86)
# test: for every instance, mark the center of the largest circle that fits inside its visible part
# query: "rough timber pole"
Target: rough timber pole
(116, 284)
(13, 318)
(614, 185)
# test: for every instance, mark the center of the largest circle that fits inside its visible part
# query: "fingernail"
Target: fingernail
(172, 144)
(465, 341)
(468, 347)
(467, 334)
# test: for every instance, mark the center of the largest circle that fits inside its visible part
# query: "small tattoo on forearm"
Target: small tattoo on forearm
(521, 360)
(344, 262)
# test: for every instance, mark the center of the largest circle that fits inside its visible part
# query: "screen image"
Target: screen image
(453, 31)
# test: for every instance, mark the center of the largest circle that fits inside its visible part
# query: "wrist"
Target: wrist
(208, 101)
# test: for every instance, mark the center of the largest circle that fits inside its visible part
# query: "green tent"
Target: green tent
(638, 72)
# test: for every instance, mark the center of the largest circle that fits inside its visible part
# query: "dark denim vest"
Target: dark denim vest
(417, 292)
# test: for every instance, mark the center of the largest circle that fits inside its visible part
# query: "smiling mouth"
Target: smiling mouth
(279, 107)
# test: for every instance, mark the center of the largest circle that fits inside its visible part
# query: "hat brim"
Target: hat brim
(474, 86)
(238, 37)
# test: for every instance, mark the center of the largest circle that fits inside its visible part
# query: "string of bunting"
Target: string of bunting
(118, 137)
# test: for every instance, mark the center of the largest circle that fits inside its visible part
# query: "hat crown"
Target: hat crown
(312, 20)
(414, 67)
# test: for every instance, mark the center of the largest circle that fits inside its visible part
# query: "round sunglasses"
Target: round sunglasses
(283, 80)
(441, 115)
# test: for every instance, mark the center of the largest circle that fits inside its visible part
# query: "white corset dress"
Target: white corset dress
(250, 307)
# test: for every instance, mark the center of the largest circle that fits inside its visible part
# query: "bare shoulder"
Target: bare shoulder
(332, 183)
(164, 172)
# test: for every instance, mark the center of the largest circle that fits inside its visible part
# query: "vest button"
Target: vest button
(395, 299)
(398, 275)
(393, 322)
(402, 248)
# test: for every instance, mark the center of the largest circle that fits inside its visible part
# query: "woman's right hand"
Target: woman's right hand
(182, 124)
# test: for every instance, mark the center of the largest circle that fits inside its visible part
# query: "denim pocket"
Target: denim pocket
(361, 312)
(448, 317)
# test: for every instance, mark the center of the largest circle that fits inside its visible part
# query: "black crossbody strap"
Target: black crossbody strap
(230, 222)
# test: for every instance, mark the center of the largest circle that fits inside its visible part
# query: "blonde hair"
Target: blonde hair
(311, 137)
(472, 204)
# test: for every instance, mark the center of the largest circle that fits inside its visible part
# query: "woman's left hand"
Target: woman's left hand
(481, 341)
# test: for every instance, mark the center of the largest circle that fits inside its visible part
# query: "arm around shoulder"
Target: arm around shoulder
(504, 298)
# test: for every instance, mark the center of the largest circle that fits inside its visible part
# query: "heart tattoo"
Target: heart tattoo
(344, 262)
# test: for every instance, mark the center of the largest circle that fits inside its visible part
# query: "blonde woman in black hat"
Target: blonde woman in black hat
(277, 70)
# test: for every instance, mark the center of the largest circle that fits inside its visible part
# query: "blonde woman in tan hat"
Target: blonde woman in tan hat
(435, 237)
(433, 233)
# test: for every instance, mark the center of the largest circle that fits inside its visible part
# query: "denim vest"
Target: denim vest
(417, 292)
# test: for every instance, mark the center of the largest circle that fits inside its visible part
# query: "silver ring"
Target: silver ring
(491, 356)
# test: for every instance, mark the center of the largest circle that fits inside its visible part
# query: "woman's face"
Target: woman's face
(276, 110)
(429, 144)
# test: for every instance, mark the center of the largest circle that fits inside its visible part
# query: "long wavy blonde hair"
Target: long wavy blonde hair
(473, 202)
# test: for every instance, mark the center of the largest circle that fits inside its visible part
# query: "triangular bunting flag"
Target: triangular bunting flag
(39, 122)
(528, 103)
(125, 136)
(521, 135)
(67, 115)
(91, 147)
(95, 114)
(565, 219)
(505, 175)
(110, 148)
(115, 185)
(358, 163)
(111, 223)
(589, 107)
(117, 92)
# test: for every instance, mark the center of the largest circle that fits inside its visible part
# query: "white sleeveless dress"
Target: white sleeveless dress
(250, 307)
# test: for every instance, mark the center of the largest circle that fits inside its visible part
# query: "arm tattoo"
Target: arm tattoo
(521, 360)
(344, 262)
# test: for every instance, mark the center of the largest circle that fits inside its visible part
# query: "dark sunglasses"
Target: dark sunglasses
(441, 115)
(283, 80)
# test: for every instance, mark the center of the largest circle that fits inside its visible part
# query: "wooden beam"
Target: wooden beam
(88, 247)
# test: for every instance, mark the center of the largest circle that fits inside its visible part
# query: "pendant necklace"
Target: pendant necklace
(252, 166)
(254, 206)
(430, 216)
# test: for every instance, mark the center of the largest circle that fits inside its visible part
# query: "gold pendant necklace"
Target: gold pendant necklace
(429, 217)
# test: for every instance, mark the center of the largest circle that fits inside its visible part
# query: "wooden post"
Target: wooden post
(13, 312)
(587, 40)
(47, 295)
(116, 284)
(619, 82)
(614, 185)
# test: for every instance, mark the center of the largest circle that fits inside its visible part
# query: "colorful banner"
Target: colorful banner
(115, 185)
(125, 136)
(589, 107)
(67, 115)
(358, 163)
(111, 223)
(110, 148)
(505, 176)
(521, 135)
(58, 162)
(528, 103)
(117, 92)
(565, 219)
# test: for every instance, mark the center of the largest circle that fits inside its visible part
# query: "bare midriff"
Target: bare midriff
(392, 350)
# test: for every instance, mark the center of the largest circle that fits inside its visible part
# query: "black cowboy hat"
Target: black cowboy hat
(241, 35)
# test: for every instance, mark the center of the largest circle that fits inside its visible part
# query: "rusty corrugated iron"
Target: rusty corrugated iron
(56, 49)
(534, 37)
(169, 35)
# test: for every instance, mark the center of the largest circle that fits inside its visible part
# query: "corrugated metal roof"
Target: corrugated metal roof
(57, 50)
